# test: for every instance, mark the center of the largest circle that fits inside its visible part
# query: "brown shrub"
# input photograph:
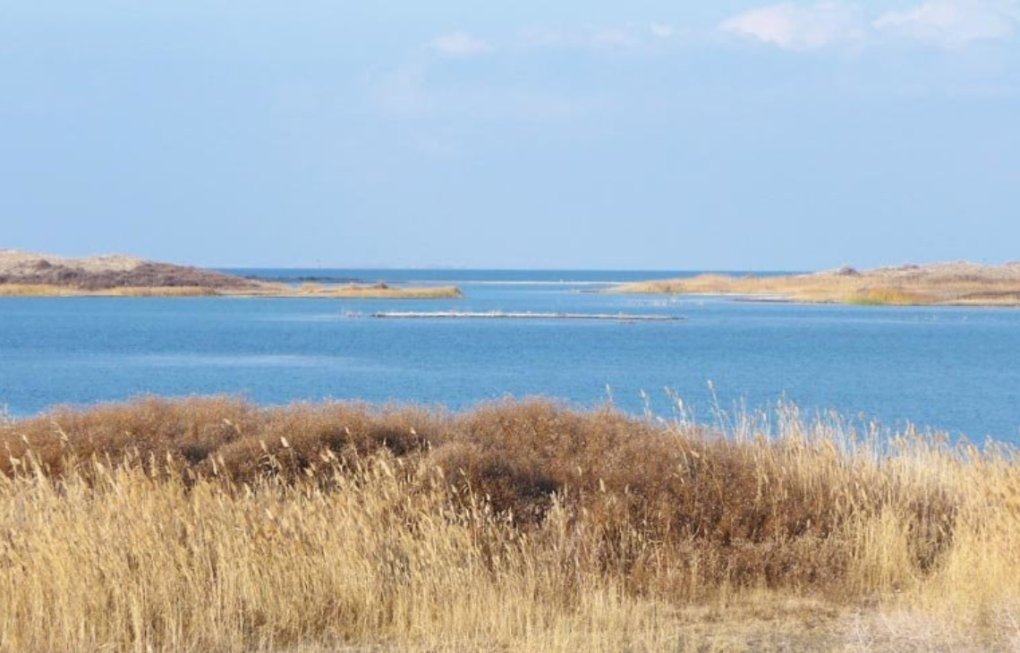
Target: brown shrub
(145, 275)
(745, 510)
(411, 514)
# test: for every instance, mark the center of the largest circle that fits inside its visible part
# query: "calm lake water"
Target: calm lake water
(946, 368)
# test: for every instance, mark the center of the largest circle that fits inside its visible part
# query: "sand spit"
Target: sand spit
(25, 271)
(25, 274)
(938, 284)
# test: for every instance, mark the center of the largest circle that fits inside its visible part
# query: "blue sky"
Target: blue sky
(645, 134)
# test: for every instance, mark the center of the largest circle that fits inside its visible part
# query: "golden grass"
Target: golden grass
(370, 291)
(260, 290)
(962, 284)
(158, 291)
(46, 290)
(887, 297)
(31, 290)
(23, 274)
(210, 524)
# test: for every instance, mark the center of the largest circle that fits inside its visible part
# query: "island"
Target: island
(24, 274)
(937, 284)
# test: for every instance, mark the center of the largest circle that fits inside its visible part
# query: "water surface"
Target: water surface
(948, 368)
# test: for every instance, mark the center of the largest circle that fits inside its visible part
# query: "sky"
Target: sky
(732, 135)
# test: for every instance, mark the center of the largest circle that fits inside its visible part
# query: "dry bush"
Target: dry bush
(143, 275)
(210, 523)
(934, 284)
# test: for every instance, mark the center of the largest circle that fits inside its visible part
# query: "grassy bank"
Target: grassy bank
(946, 284)
(348, 291)
(211, 524)
(364, 291)
(24, 274)
(42, 290)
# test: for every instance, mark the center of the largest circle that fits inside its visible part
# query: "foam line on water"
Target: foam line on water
(526, 315)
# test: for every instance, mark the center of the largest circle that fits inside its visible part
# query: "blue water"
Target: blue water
(946, 368)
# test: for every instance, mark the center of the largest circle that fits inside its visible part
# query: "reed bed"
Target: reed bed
(261, 289)
(939, 284)
(213, 524)
(43, 290)
(366, 291)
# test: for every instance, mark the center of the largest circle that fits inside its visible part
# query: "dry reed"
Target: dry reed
(269, 290)
(947, 284)
(212, 524)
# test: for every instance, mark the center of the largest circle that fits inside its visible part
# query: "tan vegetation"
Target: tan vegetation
(38, 275)
(104, 274)
(346, 291)
(37, 290)
(366, 291)
(211, 524)
(13, 261)
(957, 284)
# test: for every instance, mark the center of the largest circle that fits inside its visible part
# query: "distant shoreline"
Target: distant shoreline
(939, 284)
(25, 274)
(283, 292)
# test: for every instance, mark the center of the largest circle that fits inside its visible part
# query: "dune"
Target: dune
(938, 284)
(25, 274)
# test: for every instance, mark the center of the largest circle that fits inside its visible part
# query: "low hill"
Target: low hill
(946, 284)
(29, 274)
(109, 272)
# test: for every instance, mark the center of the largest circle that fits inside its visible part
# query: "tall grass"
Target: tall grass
(211, 524)
(43, 290)
(886, 296)
(251, 289)
(365, 291)
(949, 284)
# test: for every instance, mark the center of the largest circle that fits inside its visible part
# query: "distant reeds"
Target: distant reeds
(953, 284)
(887, 297)
(24, 274)
(212, 524)
(369, 291)
(35, 290)
(357, 291)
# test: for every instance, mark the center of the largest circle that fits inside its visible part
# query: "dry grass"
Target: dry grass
(33, 290)
(43, 290)
(108, 273)
(364, 291)
(13, 261)
(211, 524)
(958, 284)
(261, 290)
(25, 274)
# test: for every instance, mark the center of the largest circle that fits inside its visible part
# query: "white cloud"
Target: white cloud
(945, 23)
(795, 27)
(460, 44)
(953, 23)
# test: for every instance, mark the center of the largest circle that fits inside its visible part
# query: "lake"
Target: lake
(952, 369)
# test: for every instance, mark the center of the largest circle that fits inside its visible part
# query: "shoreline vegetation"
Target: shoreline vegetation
(939, 284)
(37, 275)
(214, 524)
